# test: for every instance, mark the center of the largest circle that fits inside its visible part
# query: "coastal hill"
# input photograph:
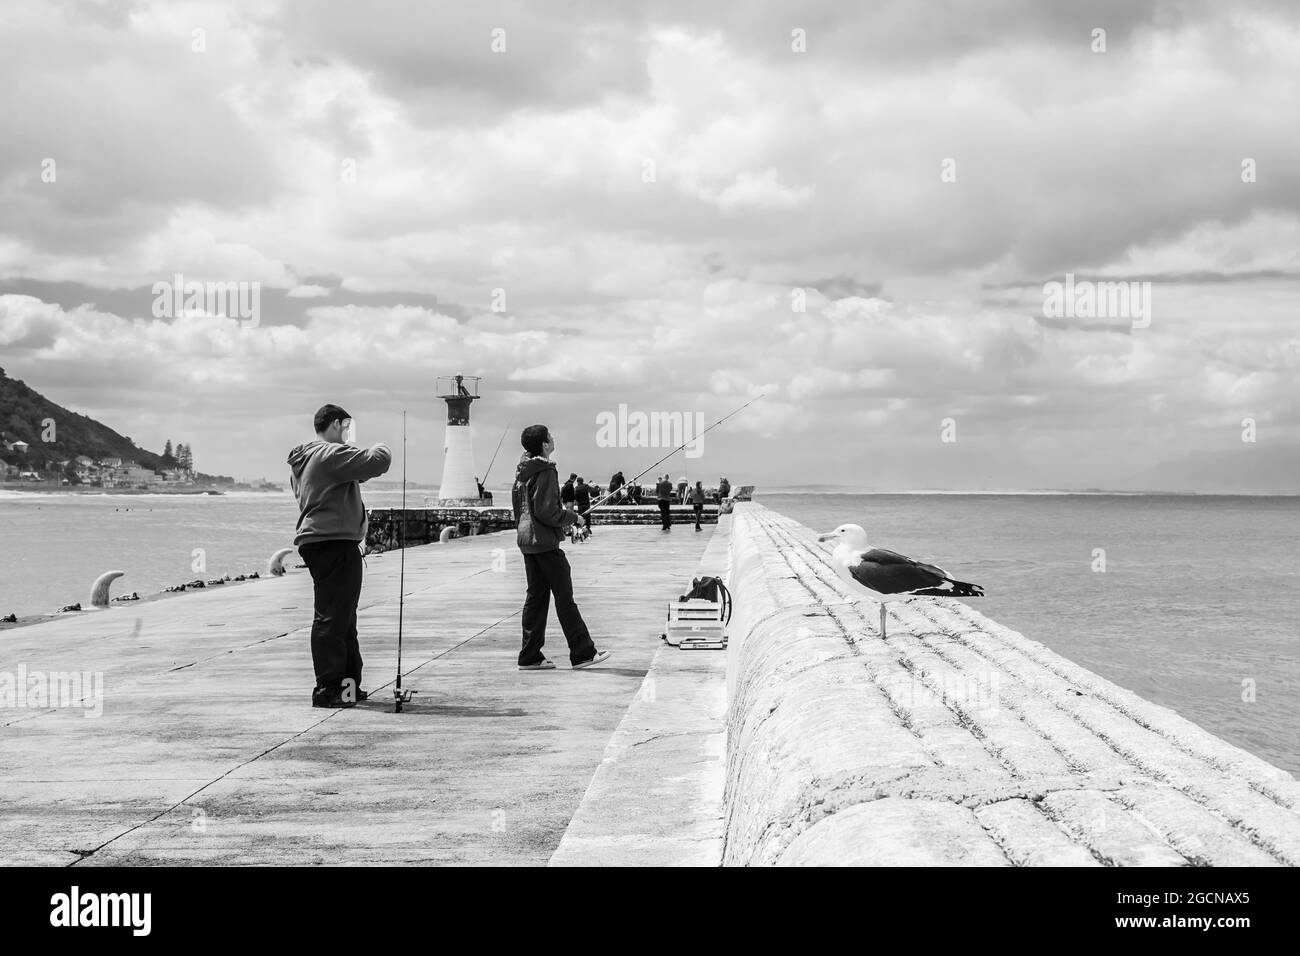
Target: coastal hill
(24, 414)
(23, 410)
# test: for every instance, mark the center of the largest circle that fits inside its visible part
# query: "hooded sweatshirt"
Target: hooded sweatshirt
(326, 478)
(542, 521)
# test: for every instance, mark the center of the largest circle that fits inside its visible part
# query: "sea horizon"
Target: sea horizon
(21, 493)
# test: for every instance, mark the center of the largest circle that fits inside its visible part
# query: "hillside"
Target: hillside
(22, 411)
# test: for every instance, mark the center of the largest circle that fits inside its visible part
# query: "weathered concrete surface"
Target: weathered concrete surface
(656, 798)
(956, 741)
(207, 750)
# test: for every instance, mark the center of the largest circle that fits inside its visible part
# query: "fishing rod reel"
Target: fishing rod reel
(401, 698)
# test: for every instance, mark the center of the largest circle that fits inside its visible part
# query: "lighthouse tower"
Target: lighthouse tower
(459, 484)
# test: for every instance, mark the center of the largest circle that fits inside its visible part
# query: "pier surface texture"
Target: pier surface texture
(810, 740)
(956, 741)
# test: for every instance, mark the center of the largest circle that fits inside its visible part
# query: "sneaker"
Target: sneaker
(591, 661)
(330, 697)
(542, 665)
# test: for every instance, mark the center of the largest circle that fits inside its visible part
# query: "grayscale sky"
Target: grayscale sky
(650, 183)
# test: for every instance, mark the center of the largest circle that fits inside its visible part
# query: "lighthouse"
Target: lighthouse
(459, 482)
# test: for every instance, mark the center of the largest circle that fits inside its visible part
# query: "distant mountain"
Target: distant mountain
(23, 412)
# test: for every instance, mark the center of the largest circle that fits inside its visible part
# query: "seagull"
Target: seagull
(879, 573)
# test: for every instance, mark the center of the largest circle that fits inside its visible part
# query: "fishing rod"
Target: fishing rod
(401, 697)
(495, 453)
(675, 451)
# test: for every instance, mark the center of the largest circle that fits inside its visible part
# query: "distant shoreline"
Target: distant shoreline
(123, 492)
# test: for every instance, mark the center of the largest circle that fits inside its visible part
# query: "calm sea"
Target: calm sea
(1198, 594)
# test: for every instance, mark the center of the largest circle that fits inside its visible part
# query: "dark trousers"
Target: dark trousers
(664, 516)
(335, 568)
(548, 573)
(699, 511)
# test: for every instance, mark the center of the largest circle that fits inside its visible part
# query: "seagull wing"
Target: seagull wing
(889, 572)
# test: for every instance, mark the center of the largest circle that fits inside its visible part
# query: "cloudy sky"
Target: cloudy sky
(851, 209)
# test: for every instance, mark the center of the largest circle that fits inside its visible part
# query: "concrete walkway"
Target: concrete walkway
(207, 749)
(656, 799)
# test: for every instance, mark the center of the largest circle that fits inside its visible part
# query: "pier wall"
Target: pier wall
(424, 525)
(956, 741)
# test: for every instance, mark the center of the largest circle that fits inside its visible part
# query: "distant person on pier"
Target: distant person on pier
(681, 490)
(582, 497)
(697, 502)
(724, 489)
(326, 478)
(568, 493)
(542, 523)
(664, 493)
(616, 484)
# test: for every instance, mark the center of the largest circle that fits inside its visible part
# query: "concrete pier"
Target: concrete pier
(810, 740)
(956, 741)
(207, 750)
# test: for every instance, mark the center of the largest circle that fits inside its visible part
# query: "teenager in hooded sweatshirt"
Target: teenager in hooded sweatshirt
(331, 526)
(542, 523)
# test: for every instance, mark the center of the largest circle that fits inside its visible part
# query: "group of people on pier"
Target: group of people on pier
(326, 475)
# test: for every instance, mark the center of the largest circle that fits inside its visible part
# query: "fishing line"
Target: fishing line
(611, 494)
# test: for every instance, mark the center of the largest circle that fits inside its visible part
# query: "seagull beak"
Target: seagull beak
(826, 537)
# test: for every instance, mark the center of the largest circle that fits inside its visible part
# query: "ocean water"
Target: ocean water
(1198, 596)
(53, 546)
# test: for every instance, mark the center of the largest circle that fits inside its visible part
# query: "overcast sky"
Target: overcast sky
(920, 170)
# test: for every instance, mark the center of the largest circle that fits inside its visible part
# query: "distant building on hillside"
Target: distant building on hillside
(130, 475)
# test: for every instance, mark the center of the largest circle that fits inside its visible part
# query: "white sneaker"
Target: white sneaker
(542, 665)
(600, 657)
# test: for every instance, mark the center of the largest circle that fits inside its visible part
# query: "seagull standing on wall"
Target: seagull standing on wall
(879, 574)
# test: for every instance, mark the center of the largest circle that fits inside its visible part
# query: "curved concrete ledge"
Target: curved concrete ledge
(956, 741)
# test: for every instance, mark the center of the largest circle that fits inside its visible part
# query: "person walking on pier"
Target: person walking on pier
(326, 478)
(724, 489)
(582, 499)
(569, 493)
(542, 522)
(664, 492)
(697, 502)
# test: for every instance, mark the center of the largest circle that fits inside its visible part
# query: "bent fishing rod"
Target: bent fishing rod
(611, 494)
